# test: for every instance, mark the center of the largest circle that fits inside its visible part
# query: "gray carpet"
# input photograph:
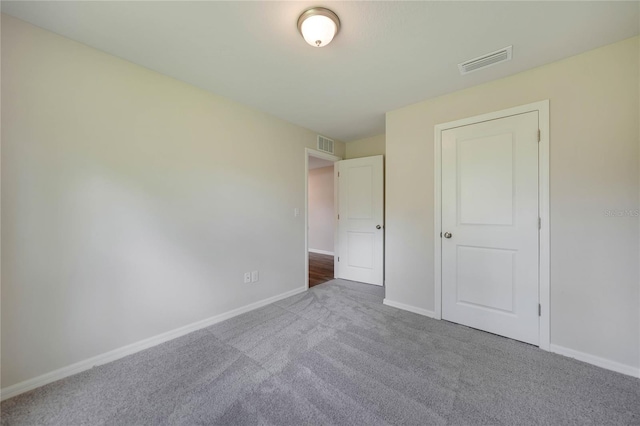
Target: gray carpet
(335, 355)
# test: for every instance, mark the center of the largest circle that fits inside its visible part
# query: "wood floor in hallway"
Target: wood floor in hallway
(320, 268)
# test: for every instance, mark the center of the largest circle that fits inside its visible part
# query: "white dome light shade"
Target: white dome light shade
(318, 30)
(318, 26)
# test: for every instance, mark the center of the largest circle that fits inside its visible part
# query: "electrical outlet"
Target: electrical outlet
(254, 276)
(247, 277)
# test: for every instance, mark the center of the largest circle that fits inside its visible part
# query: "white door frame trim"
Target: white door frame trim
(318, 154)
(542, 107)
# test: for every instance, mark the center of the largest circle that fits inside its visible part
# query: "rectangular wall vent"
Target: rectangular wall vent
(325, 144)
(485, 61)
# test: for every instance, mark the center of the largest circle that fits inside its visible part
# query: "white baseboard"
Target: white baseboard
(409, 308)
(115, 354)
(330, 253)
(596, 360)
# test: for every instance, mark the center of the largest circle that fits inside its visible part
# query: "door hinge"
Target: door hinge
(338, 217)
(338, 174)
(539, 223)
(338, 258)
(539, 310)
(539, 135)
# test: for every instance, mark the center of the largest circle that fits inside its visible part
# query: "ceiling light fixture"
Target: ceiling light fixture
(318, 26)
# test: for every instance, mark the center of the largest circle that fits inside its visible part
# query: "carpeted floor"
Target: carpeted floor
(335, 355)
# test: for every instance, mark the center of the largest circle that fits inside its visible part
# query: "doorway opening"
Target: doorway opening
(321, 217)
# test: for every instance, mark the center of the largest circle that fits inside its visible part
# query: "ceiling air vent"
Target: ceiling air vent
(325, 144)
(485, 61)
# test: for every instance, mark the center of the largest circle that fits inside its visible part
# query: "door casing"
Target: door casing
(543, 205)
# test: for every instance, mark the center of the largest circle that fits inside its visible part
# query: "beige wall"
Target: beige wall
(367, 147)
(594, 167)
(321, 209)
(132, 203)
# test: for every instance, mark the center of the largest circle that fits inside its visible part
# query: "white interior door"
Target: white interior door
(360, 254)
(490, 226)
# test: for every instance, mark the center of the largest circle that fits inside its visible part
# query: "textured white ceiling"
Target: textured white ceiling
(387, 54)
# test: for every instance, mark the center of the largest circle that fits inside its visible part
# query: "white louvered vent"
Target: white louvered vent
(485, 61)
(325, 144)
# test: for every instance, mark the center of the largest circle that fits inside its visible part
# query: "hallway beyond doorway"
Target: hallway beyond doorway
(320, 268)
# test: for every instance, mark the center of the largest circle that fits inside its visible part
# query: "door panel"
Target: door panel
(359, 191)
(490, 208)
(491, 158)
(486, 277)
(360, 211)
(361, 247)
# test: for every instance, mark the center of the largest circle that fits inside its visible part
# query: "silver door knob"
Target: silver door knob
(378, 227)
(448, 235)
